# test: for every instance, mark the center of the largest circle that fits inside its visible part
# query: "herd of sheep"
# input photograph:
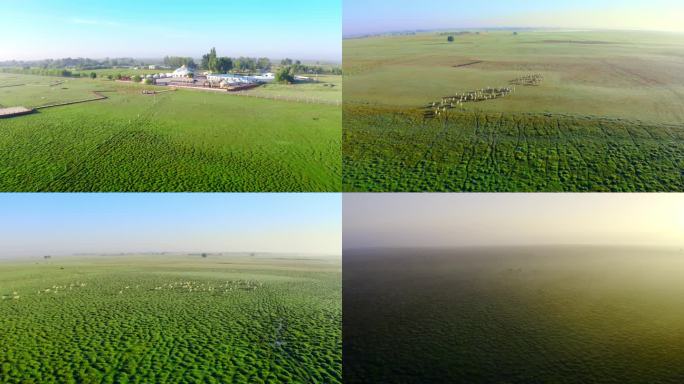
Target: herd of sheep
(436, 109)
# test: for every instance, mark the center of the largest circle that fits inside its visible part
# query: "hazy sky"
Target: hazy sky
(373, 16)
(445, 220)
(301, 29)
(58, 224)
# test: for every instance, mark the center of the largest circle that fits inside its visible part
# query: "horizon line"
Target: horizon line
(172, 253)
(328, 61)
(462, 29)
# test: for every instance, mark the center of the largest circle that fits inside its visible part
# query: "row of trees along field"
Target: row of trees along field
(70, 63)
(42, 72)
(56, 72)
(212, 62)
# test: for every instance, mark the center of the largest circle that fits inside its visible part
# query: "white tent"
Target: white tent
(182, 72)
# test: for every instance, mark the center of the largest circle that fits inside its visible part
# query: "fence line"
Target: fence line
(308, 100)
(97, 93)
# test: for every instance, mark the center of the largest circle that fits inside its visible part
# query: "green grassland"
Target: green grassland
(327, 89)
(171, 319)
(388, 150)
(514, 315)
(611, 82)
(175, 141)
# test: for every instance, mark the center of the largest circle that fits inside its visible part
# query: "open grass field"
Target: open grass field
(615, 84)
(327, 90)
(175, 141)
(514, 315)
(171, 319)
(393, 150)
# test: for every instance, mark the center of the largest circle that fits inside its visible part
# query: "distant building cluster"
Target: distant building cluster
(231, 80)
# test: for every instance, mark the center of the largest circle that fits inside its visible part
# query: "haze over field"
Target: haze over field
(37, 29)
(62, 224)
(525, 288)
(378, 16)
(453, 220)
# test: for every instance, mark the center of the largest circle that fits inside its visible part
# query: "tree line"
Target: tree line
(77, 63)
(40, 71)
(214, 63)
(179, 61)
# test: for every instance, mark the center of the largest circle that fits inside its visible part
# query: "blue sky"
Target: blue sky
(302, 29)
(374, 16)
(62, 224)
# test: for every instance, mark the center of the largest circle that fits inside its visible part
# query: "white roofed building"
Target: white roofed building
(230, 80)
(183, 71)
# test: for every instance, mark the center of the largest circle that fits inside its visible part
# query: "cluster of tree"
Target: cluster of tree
(253, 64)
(179, 61)
(298, 67)
(212, 62)
(285, 74)
(316, 69)
(78, 63)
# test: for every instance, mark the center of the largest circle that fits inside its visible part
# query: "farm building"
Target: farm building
(230, 80)
(183, 71)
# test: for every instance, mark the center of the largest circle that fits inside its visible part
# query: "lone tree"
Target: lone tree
(450, 39)
(93, 75)
(136, 78)
(285, 75)
(204, 255)
(212, 60)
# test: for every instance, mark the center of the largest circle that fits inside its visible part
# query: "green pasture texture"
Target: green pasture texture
(35, 91)
(609, 115)
(175, 141)
(327, 90)
(171, 319)
(631, 75)
(385, 150)
(514, 315)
